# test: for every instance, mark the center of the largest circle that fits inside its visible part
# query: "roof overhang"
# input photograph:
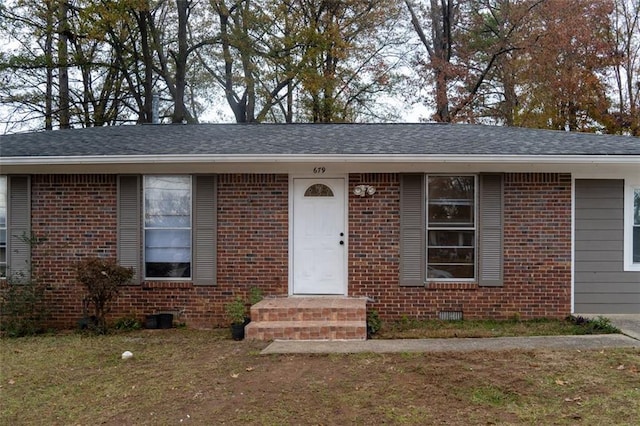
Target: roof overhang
(335, 163)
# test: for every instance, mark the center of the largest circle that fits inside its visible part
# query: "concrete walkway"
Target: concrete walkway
(628, 324)
(600, 341)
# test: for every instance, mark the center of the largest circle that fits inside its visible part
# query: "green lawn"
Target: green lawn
(408, 328)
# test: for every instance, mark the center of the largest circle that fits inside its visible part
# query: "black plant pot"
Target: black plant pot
(165, 321)
(151, 322)
(237, 331)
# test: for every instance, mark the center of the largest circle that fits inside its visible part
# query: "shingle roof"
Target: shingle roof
(311, 139)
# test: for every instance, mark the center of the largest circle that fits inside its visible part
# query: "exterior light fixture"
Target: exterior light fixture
(364, 190)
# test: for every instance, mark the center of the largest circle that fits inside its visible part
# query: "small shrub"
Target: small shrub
(255, 295)
(102, 279)
(374, 323)
(22, 307)
(127, 324)
(598, 325)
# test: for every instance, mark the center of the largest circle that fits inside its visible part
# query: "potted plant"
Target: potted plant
(236, 313)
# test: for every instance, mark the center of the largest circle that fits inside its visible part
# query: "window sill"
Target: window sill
(166, 284)
(451, 285)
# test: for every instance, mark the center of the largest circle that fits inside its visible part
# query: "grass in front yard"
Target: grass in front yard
(408, 328)
(183, 376)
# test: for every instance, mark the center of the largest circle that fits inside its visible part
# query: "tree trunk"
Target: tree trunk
(48, 52)
(181, 62)
(146, 114)
(63, 58)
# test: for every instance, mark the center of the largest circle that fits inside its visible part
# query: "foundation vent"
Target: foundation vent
(450, 315)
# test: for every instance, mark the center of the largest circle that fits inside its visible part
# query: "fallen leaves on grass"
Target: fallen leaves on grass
(577, 400)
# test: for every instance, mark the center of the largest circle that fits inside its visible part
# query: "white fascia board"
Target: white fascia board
(314, 158)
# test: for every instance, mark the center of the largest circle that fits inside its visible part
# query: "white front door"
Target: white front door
(319, 236)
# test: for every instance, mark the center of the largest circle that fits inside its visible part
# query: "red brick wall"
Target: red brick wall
(253, 229)
(73, 216)
(537, 270)
(77, 216)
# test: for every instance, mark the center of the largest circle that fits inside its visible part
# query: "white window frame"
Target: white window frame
(630, 186)
(144, 232)
(427, 228)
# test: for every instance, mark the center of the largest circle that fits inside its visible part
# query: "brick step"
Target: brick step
(306, 330)
(308, 318)
(309, 309)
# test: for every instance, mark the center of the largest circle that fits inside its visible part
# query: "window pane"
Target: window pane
(452, 238)
(450, 255)
(318, 190)
(170, 254)
(163, 238)
(166, 221)
(636, 207)
(450, 201)
(463, 271)
(636, 244)
(167, 270)
(167, 202)
(167, 182)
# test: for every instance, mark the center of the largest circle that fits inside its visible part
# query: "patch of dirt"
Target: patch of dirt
(191, 377)
(458, 388)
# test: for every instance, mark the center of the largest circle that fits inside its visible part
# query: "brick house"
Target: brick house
(413, 220)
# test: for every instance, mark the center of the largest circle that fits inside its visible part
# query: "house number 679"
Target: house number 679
(319, 170)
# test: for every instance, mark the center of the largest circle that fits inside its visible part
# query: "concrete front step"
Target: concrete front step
(308, 318)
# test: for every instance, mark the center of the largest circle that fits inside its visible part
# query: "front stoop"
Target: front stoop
(308, 318)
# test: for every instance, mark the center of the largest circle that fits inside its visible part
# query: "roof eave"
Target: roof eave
(314, 158)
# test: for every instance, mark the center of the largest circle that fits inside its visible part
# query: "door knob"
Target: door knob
(341, 242)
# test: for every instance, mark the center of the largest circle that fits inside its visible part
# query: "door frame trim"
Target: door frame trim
(345, 178)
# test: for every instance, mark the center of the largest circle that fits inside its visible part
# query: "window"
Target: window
(632, 227)
(451, 229)
(451, 226)
(3, 226)
(167, 226)
(318, 190)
